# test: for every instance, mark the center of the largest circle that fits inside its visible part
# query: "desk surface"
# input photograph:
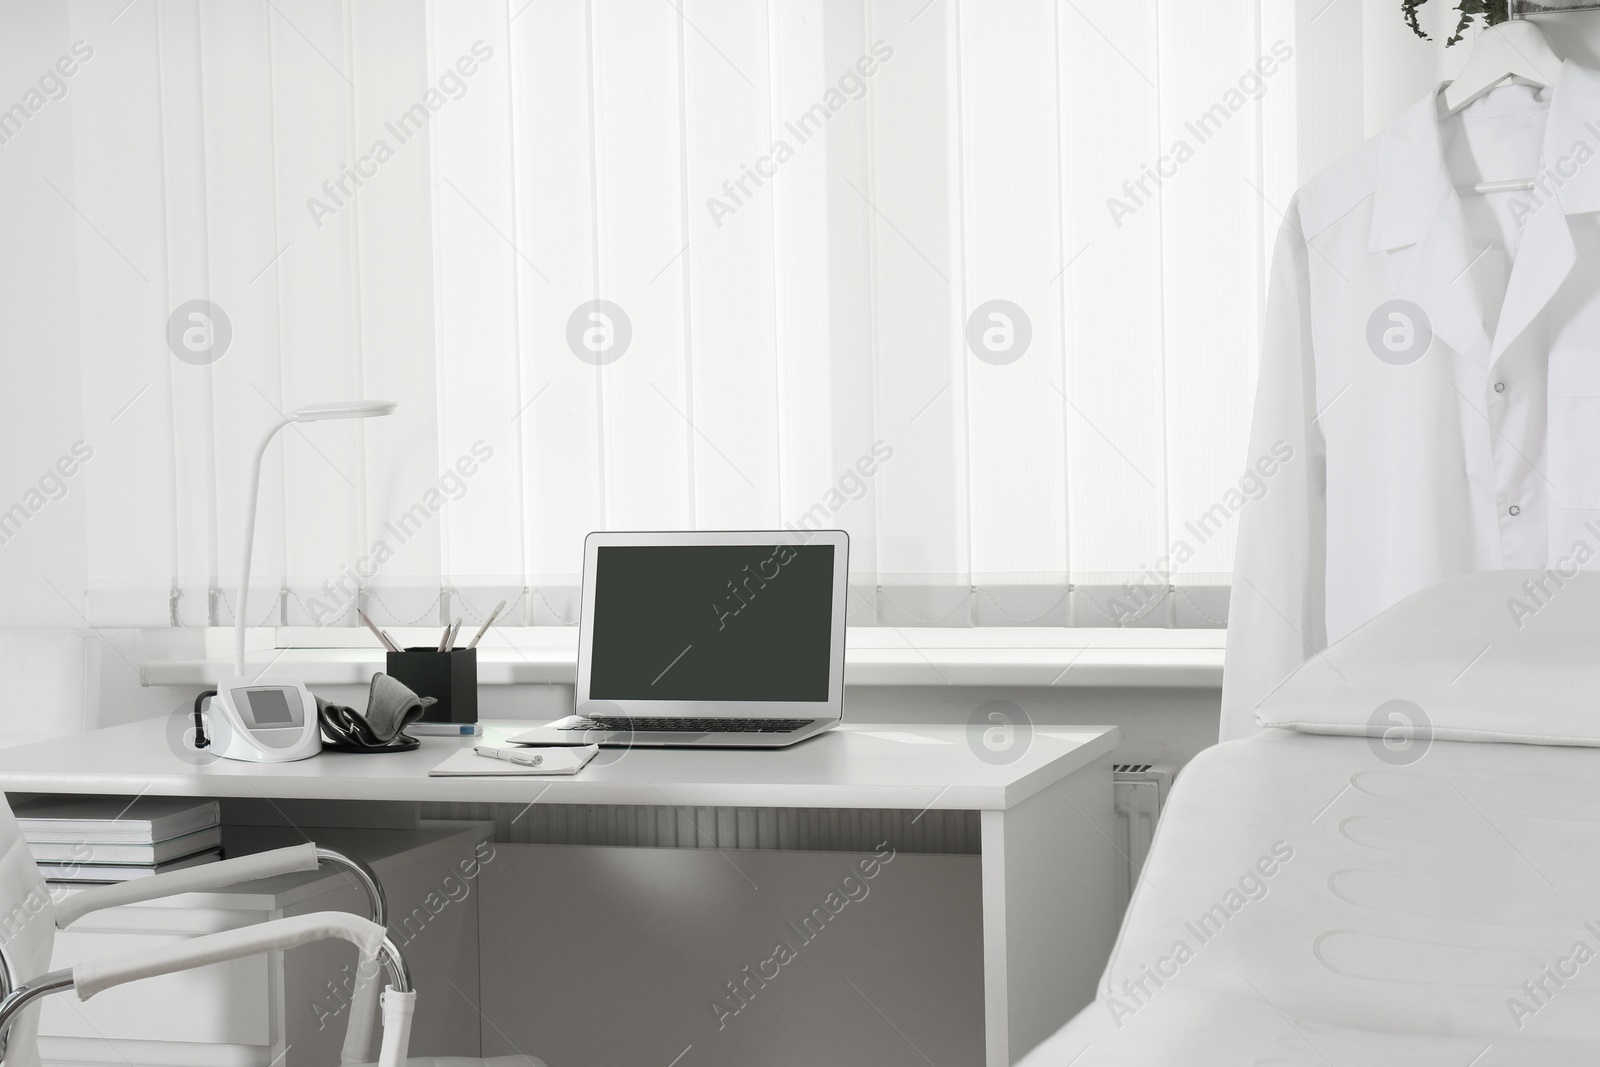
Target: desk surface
(857, 766)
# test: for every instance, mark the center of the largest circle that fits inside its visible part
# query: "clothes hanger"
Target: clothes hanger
(1514, 51)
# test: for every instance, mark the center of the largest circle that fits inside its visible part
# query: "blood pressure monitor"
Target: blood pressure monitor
(260, 723)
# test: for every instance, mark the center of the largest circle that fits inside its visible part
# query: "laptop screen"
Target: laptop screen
(711, 622)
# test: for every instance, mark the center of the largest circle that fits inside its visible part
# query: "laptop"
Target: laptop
(707, 639)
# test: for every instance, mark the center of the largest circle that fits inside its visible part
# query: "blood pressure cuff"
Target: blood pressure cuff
(391, 707)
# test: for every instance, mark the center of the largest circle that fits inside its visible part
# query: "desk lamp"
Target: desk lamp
(269, 723)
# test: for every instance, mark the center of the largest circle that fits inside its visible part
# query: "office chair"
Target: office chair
(29, 920)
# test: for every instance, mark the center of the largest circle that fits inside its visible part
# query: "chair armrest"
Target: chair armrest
(93, 976)
(306, 857)
(189, 880)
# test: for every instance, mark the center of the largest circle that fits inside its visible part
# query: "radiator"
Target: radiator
(1139, 790)
(668, 826)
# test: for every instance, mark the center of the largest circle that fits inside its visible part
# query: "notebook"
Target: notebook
(111, 872)
(142, 820)
(87, 851)
(563, 759)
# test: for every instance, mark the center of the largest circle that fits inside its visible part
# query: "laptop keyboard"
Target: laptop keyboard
(696, 726)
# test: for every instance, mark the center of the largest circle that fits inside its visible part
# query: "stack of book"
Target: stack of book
(112, 839)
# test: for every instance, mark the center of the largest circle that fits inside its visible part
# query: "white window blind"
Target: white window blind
(978, 282)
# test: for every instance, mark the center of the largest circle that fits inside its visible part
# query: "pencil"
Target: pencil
(493, 615)
(379, 634)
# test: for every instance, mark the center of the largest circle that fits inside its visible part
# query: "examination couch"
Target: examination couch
(1403, 868)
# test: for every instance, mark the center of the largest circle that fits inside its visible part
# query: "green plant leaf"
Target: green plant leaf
(1490, 12)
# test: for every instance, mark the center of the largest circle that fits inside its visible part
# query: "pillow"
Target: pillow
(1491, 656)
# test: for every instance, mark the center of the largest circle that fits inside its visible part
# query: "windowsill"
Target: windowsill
(547, 655)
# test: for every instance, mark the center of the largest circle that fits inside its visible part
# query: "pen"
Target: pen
(379, 634)
(450, 635)
(493, 615)
(521, 760)
(444, 638)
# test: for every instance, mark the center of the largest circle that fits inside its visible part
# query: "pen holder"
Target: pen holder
(451, 678)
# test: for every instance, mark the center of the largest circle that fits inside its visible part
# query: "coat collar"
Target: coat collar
(1413, 182)
(1416, 205)
(1412, 179)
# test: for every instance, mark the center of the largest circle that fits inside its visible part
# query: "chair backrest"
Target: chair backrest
(27, 931)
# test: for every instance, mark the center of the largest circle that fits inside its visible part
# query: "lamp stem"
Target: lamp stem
(249, 544)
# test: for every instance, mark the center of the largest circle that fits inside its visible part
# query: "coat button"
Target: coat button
(1499, 387)
(1514, 510)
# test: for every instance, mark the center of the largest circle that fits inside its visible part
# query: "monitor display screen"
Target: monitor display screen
(269, 707)
(712, 622)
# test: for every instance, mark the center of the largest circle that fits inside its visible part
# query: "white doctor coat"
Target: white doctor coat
(1432, 359)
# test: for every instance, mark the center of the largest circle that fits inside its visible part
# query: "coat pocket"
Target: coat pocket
(1573, 441)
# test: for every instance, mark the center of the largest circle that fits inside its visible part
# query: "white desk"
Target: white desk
(1048, 915)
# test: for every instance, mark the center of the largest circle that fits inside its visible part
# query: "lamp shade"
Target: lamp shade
(338, 409)
(342, 409)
